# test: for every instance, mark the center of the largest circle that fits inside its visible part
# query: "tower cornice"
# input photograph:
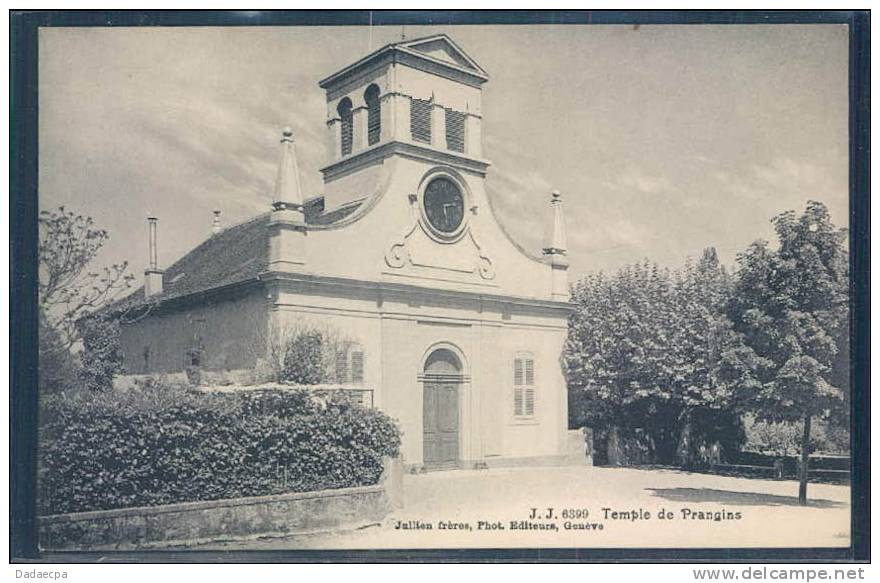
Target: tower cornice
(406, 149)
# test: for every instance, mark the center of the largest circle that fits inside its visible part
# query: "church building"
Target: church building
(454, 328)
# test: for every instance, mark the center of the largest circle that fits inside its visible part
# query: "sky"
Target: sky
(663, 139)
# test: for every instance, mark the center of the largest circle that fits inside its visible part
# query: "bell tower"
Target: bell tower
(417, 98)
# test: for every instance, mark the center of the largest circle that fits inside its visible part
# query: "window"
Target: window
(524, 385)
(374, 114)
(350, 363)
(195, 352)
(454, 130)
(420, 120)
(347, 128)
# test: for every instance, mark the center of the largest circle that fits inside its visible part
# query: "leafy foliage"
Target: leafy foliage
(783, 438)
(158, 444)
(303, 358)
(301, 353)
(648, 347)
(791, 305)
(101, 357)
(658, 354)
(58, 369)
(68, 292)
(778, 439)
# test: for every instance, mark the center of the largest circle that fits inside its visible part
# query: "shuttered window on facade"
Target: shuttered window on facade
(420, 120)
(374, 115)
(350, 364)
(342, 365)
(455, 130)
(524, 385)
(357, 364)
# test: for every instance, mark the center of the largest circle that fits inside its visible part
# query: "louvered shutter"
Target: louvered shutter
(524, 385)
(455, 130)
(374, 128)
(529, 389)
(420, 120)
(374, 115)
(342, 365)
(517, 386)
(347, 134)
(357, 365)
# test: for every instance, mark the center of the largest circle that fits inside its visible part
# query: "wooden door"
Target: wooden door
(440, 424)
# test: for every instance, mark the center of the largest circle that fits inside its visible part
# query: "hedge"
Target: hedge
(109, 452)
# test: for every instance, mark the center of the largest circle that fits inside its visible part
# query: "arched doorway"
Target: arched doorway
(441, 379)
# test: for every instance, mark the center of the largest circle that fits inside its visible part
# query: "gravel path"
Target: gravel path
(623, 509)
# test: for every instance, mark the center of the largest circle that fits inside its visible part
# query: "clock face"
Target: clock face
(444, 205)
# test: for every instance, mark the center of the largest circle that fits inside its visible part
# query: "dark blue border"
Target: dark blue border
(23, 277)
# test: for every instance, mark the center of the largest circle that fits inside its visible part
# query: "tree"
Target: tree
(57, 370)
(653, 350)
(710, 362)
(614, 351)
(68, 291)
(791, 305)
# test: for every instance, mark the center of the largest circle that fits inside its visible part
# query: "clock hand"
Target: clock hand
(446, 206)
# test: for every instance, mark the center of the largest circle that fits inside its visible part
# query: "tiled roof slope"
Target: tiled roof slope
(234, 255)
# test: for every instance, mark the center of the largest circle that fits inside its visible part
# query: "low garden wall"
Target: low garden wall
(161, 463)
(191, 523)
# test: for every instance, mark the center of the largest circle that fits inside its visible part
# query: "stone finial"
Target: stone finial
(215, 224)
(288, 194)
(554, 244)
(555, 249)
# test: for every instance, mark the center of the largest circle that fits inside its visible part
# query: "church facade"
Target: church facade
(456, 330)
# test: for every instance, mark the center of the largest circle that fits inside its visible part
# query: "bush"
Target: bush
(784, 438)
(57, 369)
(303, 359)
(301, 353)
(101, 357)
(159, 445)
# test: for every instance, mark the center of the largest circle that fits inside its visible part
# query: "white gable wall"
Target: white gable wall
(359, 249)
(438, 295)
(382, 277)
(399, 329)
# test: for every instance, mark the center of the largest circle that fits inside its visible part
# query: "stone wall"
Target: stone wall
(192, 523)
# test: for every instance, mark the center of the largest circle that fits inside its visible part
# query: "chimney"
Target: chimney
(152, 274)
(287, 224)
(215, 225)
(555, 248)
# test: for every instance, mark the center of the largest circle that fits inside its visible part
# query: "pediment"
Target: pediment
(442, 48)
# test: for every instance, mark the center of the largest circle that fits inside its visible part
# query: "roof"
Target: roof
(437, 49)
(315, 215)
(236, 254)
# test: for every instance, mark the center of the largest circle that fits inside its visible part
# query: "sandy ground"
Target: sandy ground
(706, 511)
